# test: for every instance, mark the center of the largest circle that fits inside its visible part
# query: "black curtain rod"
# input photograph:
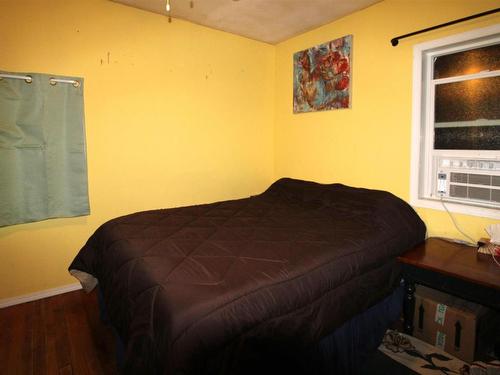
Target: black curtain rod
(395, 41)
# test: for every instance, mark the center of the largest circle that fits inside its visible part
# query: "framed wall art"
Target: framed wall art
(322, 76)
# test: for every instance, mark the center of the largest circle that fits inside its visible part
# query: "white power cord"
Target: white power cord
(455, 223)
(492, 252)
(495, 259)
(490, 249)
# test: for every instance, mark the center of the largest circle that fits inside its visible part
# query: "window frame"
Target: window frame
(422, 147)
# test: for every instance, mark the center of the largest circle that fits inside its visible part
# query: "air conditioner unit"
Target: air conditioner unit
(466, 180)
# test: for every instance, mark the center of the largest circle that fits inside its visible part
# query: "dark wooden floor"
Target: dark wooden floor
(64, 335)
(57, 335)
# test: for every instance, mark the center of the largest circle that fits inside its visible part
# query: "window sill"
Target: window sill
(492, 213)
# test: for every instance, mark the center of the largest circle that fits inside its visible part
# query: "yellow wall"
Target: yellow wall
(176, 114)
(369, 144)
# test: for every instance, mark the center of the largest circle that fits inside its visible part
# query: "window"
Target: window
(456, 123)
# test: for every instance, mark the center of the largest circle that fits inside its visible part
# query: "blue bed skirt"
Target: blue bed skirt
(344, 351)
(347, 349)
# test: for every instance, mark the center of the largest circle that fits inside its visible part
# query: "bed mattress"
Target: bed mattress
(208, 288)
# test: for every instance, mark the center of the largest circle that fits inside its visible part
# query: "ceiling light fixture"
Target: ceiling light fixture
(168, 8)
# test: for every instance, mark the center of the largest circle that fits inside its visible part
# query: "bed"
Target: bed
(246, 285)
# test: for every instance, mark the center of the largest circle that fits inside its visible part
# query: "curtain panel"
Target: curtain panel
(43, 167)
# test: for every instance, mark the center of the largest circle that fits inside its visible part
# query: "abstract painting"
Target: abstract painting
(322, 76)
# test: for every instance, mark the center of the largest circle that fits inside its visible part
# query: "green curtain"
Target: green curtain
(43, 168)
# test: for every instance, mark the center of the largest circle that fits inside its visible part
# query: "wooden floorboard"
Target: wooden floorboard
(4, 338)
(57, 335)
(38, 340)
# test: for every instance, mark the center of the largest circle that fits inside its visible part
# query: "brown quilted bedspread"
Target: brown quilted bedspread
(190, 289)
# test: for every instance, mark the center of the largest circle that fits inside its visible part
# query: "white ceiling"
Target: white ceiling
(270, 21)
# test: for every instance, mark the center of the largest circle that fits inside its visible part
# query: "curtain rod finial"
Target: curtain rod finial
(394, 42)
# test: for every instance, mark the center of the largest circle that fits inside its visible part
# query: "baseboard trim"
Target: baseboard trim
(39, 295)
